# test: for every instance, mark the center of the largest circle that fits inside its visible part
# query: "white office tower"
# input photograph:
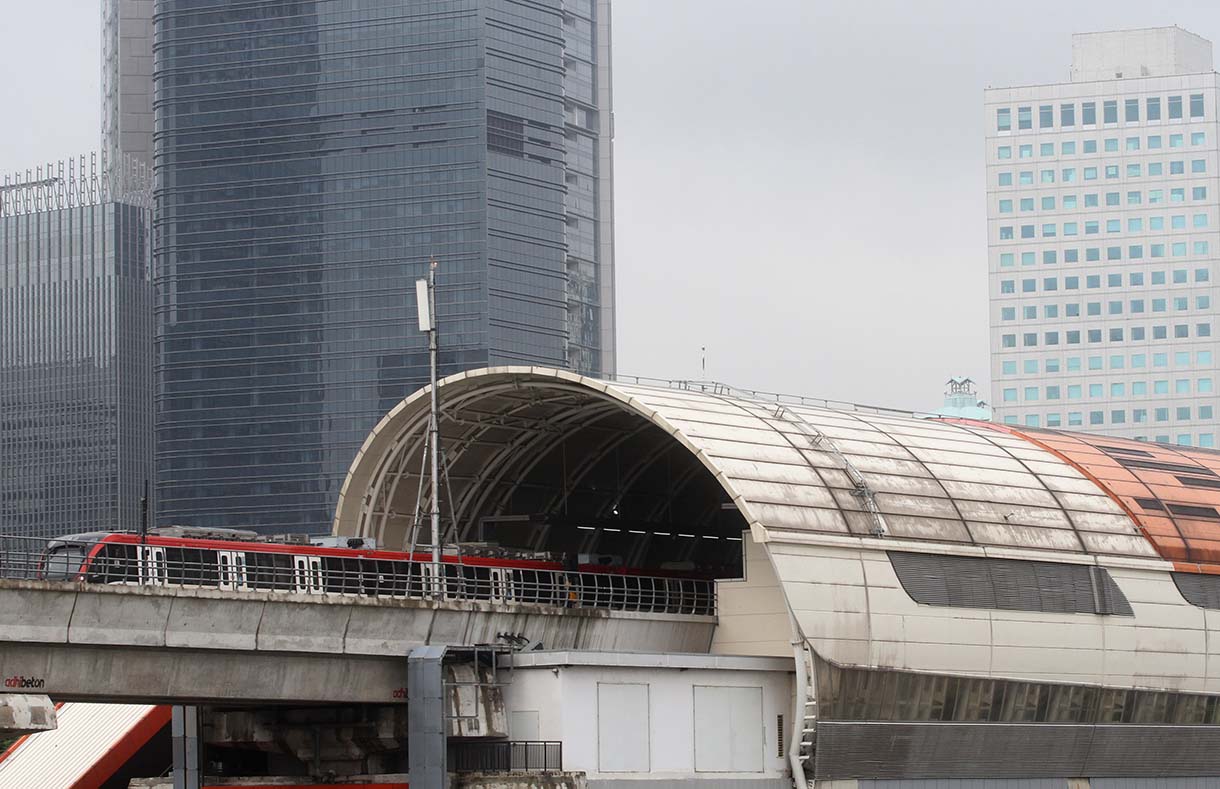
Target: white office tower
(127, 86)
(1102, 241)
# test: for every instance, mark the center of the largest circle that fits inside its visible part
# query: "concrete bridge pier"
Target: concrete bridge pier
(184, 739)
(427, 734)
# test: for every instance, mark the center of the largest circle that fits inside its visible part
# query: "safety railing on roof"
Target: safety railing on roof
(726, 390)
(245, 568)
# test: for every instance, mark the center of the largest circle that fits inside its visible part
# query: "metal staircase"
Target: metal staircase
(809, 733)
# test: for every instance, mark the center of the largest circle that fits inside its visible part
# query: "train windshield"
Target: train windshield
(63, 562)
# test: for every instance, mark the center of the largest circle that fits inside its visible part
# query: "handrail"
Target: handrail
(728, 390)
(243, 569)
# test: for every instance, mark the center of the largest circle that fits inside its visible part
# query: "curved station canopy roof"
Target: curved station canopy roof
(701, 461)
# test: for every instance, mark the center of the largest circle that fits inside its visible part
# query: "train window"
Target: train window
(455, 581)
(528, 588)
(594, 590)
(341, 575)
(269, 571)
(466, 582)
(63, 562)
(114, 564)
(191, 567)
(386, 578)
(177, 564)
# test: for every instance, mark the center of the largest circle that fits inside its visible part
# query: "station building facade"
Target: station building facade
(954, 599)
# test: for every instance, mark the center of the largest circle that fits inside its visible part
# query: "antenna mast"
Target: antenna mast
(425, 302)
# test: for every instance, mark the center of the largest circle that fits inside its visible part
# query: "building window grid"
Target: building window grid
(1134, 252)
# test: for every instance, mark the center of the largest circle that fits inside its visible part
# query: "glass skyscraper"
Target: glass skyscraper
(311, 158)
(76, 348)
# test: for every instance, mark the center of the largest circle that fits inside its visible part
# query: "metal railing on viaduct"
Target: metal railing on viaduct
(164, 627)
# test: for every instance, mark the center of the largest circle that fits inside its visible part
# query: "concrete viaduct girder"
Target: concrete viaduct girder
(166, 645)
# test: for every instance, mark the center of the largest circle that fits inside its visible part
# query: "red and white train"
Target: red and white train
(235, 560)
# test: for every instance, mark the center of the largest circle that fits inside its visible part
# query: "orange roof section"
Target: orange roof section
(1172, 493)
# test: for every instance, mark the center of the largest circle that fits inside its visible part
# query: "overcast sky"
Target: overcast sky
(799, 183)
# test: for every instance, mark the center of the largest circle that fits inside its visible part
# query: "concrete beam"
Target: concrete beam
(173, 645)
(74, 672)
(118, 615)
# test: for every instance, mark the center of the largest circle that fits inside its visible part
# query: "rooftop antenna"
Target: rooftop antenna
(425, 306)
(703, 362)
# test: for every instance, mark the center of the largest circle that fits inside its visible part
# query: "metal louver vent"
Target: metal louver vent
(1009, 584)
(1199, 590)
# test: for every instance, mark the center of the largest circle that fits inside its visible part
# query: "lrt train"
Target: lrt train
(236, 560)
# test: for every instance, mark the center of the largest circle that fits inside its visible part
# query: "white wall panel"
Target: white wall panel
(623, 728)
(728, 729)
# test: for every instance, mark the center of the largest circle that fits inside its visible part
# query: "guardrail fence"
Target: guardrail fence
(245, 568)
(505, 756)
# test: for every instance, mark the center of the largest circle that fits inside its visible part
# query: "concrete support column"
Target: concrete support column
(184, 734)
(426, 729)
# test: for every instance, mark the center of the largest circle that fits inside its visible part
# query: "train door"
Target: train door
(152, 565)
(501, 583)
(232, 565)
(425, 587)
(315, 575)
(307, 574)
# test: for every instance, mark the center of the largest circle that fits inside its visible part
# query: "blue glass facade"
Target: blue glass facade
(76, 353)
(311, 157)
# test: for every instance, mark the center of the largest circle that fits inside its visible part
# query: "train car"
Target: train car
(234, 560)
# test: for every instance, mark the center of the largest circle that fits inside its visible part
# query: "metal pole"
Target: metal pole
(144, 533)
(435, 438)
(144, 515)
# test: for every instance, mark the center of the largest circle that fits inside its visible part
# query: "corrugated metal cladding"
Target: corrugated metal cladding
(60, 758)
(1154, 783)
(1039, 783)
(969, 783)
(685, 783)
(946, 750)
